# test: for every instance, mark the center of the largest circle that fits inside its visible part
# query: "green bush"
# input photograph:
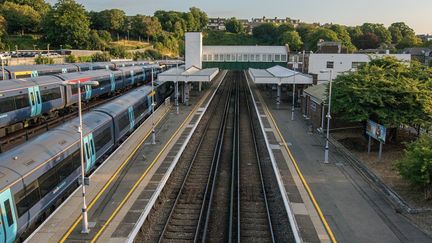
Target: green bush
(119, 52)
(416, 165)
(71, 59)
(44, 60)
(101, 57)
(85, 59)
(147, 55)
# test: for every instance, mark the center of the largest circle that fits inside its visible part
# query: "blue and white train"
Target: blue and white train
(36, 176)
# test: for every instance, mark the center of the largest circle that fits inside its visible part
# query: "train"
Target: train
(28, 71)
(34, 100)
(35, 177)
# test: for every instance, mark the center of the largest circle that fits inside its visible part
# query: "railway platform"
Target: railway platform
(123, 188)
(355, 211)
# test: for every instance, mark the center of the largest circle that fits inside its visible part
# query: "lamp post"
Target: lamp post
(293, 92)
(326, 149)
(176, 91)
(79, 82)
(152, 108)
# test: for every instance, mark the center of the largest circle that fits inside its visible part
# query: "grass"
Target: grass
(131, 44)
(24, 42)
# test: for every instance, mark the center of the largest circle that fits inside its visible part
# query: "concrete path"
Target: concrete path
(354, 210)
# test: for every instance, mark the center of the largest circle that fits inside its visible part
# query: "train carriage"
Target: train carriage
(22, 100)
(25, 71)
(33, 182)
(133, 75)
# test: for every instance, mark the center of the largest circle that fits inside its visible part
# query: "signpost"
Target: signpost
(377, 132)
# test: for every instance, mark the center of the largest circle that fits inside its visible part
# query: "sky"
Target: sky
(416, 13)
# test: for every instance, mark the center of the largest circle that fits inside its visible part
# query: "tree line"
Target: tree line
(69, 24)
(305, 36)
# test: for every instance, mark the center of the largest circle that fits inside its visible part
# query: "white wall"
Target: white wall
(193, 49)
(342, 62)
(245, 54)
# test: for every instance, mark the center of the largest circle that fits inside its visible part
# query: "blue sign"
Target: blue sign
(376, 131)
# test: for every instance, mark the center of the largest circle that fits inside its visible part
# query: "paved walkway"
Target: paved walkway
(354, 210)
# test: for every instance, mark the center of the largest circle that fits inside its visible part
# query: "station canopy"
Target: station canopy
(192, 74)
(279, 75)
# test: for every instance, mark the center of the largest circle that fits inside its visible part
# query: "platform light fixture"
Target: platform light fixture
(326, 148)
(79, 83)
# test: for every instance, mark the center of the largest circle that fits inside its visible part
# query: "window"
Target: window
(227, 57)
(204, 57)
(27, 198)
(277, 58)
(239, 57)
(330, 65)
(21, 101)
(245, 57)
(270, 58)
(357, 64)
(216, 57)
(69, 165)
(7, 104)
(233, 57)
(75, 89)
(103, 138)
(48, 181)
(264, 57)
(123, 121)
(140, 108)
(210, 57)
(283, 58)
(9, 216)
(252, 57)
(257, 57)
(50, 94)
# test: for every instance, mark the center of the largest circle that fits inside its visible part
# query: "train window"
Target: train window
(21, 101)
(9, 216)
(50, 94)
(118, 77)
(123, 121)
(140, 108)
(103, 138)
(7, 104)
(69, 165)
(48, 181)
(26, 198)
(127, 75)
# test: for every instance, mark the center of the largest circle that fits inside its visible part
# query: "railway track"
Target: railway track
(220, 190)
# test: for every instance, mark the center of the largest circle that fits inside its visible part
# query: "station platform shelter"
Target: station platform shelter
(282, 79)
(185, 77)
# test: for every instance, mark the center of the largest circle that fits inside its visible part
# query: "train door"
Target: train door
(88, 91)
(113, 84)
(132, 76)
(35, 100)
(131, 118)
(89, 152)
(8, 224)
(34, 74)
(149, 103)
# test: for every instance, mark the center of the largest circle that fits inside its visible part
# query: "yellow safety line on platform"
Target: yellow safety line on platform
(317, 207)
(140, 179)
(74, 225)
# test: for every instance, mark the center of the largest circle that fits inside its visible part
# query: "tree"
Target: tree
(367, 40)
(112, 20)
(40, 6)
(67, 23)
(416, 164)
(282, 28)
(3, 31)
(403, 36)
(292, 38)
(265, 33)
(304, 29)
(343, 35)
(200, 17)
(146, 26)
(315, 36)
(379, 30)
(234, 26)
(98, 42)
(20, 18)
(386, 91)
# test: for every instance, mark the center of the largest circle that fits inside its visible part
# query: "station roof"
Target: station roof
(192, 74)
(279, 74)
(246, 49)
(317, 93)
